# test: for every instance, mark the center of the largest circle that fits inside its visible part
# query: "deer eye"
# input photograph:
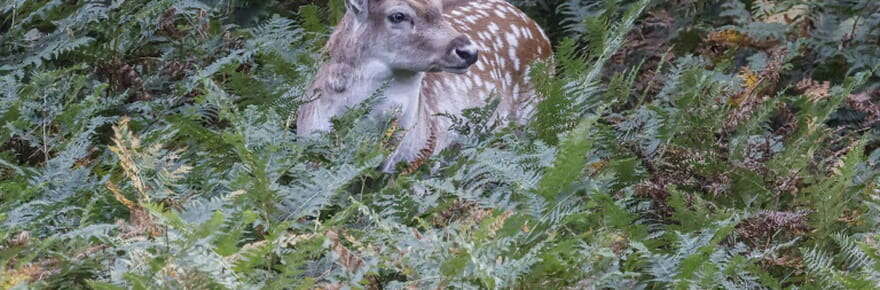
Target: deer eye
(397, 17)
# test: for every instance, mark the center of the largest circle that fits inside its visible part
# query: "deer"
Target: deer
(431, 59)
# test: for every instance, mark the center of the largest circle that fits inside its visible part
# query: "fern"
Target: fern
(694, 145)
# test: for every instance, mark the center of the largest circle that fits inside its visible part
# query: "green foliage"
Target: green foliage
(685, 145)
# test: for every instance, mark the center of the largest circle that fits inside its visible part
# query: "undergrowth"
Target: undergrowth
(680, 144)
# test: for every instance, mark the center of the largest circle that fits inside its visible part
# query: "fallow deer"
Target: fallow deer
(436, 57)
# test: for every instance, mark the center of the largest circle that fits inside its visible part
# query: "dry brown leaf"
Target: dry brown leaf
(346, 258)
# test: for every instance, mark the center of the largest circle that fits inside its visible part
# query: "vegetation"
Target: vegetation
(688, 144)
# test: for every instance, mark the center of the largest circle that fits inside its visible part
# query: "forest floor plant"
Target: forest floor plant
(680, 144)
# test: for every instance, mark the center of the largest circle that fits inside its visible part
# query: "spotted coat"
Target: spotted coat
(509, 42)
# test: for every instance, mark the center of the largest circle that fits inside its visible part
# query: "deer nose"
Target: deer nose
(469, 54)
(463, 48)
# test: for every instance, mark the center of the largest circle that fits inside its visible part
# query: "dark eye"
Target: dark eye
(397, 17)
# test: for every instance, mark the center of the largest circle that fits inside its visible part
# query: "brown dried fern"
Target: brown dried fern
(424, 154)
(763, 226)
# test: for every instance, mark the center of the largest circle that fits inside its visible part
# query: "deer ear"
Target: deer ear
(358, 8)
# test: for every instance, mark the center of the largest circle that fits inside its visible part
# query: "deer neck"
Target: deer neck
(346, 85)
(404, 94)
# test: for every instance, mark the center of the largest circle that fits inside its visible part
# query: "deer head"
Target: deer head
(402, 35)
(379, 41)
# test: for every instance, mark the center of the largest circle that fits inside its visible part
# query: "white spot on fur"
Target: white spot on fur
(493, 28)
(515, 29)
(512, 40)
(528, 33)
(482, 46)
(514, 58)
